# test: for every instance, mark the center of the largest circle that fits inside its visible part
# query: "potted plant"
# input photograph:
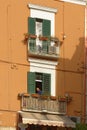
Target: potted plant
(27, 36)
(53, 97)
(61, 99)
(65, 99)
(43, 38)
(32, 36)
(35, 95)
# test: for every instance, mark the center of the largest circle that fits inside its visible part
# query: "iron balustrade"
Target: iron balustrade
(42, 49)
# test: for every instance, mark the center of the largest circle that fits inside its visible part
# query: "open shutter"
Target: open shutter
(31, 30)
(46, 84)
(31, 25)
(46, 28)
(31, 82)
(46, 31)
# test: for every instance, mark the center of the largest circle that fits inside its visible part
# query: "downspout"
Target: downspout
(85, 70)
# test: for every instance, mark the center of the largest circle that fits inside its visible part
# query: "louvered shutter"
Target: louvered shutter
(31, 82)
(46, 31)
(31, 30)
(31, 25)
(46, 84)
(46, 28)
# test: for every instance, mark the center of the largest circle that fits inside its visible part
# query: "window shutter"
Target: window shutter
(46, 28)
(46, 31)
(32, 45)
(44, 47)
(31, 25)
(31, 30)
(46, 84)
(31, 82)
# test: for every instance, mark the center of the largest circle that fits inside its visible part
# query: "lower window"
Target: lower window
(38, 80)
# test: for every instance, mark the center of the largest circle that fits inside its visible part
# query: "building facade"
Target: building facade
(44, 46)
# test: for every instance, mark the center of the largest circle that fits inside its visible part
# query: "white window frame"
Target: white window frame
(44, 13)
(80, 2)
(39, 65)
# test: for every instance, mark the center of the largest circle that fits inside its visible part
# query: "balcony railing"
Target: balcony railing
(36, 103)
(42, 50)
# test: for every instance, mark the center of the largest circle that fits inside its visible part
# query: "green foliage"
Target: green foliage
(80, 127)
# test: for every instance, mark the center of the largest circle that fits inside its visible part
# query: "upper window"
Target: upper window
(41, 44)
(39, 80)
(41, 23)
(39, 26)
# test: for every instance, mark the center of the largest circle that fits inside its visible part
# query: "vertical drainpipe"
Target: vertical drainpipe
(85, 70)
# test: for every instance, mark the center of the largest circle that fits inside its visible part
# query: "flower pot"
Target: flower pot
(43, 38)
(32, 36)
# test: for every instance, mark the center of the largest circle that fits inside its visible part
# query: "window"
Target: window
(41, 80)
(39, 27)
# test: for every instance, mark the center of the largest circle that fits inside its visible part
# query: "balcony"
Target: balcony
(44, 104)
(42, 47)
(38, 52)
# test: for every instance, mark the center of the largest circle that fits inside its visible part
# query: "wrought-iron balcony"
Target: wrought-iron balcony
(43, 47)
(48, 104)
(52, 52)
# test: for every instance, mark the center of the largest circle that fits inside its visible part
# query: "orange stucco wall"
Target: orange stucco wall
(70, 72)
(13, 54)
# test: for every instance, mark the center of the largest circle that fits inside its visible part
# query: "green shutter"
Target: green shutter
(45, 47)
(31, 82)
(46, 84)
(31, 25)
(46, 28)
(31, 30)
(46, 31)
(32, 45)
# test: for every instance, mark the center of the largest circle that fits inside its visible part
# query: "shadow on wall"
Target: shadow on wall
(76, 53)
(70, 74)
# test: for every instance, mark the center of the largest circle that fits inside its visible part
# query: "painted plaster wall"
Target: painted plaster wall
(70, 72)
(13, 54)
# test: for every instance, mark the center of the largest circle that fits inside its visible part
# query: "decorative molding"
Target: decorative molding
(45, 66)
(43, 8)
(43, 63)
(80, 2)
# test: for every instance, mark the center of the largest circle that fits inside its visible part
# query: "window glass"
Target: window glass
(38, 76)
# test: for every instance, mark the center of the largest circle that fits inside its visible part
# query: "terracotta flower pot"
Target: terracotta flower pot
(35, 95)
(43, 38)
(32, 36)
